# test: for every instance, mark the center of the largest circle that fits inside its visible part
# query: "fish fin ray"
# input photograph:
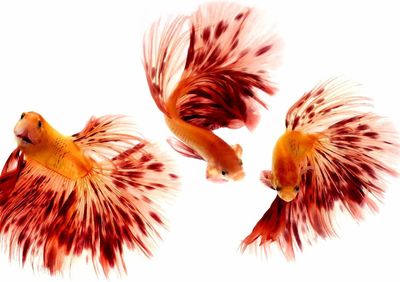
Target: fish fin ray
(270, 228)
(103, 136)
(164, 57)
(183, 149)
(329, 102)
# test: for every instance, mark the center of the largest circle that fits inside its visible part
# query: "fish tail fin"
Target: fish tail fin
(357, 154)
(116, 206)
(142, 176)
(226, 60)
(164, 57)
(55, 256)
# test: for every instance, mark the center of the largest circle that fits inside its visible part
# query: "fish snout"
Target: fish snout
(22, 135)
(287, 196)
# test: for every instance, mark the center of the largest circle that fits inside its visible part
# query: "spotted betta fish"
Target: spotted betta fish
(204, 72)
(333, 156)
(92, 194)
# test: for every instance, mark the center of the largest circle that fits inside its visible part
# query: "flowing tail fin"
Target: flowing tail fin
(49, 219)
(217, 65)
(345, 171)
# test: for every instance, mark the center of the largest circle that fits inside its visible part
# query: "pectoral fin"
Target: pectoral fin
(238, 150)
(266, 177)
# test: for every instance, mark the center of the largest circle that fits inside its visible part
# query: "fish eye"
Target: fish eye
(297, 188)
(224, 172)
(39, 124)
(22, 115)
(240, 162)
(278, 189)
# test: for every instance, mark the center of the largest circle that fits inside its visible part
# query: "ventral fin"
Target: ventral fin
(10, 173)
(183, 149)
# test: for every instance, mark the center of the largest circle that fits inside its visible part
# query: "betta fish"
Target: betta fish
(203, 72)
(333, 156)
(91, 194)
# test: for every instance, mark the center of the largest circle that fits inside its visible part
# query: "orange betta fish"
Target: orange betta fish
(206, 78)
(333, 156)
(93, 193)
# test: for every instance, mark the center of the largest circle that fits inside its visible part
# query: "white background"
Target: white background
(71, 60)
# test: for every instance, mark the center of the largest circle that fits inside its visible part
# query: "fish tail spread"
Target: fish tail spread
(49, 220)
(209, 65)
(345, 170)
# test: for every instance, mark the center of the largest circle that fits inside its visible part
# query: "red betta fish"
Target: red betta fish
(334, 154)
(94, 193)
(207, 77)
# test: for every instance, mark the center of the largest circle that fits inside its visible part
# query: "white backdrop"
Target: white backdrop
(71, 60)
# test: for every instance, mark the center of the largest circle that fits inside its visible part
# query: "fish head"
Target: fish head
(228, 166)
(286, 178)
(224, 173)
(29, 130)
(287, 187)
(288, 193)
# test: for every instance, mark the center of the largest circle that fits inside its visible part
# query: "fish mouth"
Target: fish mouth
(287, 197)
(24, 138)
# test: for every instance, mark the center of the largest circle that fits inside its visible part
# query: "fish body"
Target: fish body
(206, 78)
(94, 193)
(334, 157)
